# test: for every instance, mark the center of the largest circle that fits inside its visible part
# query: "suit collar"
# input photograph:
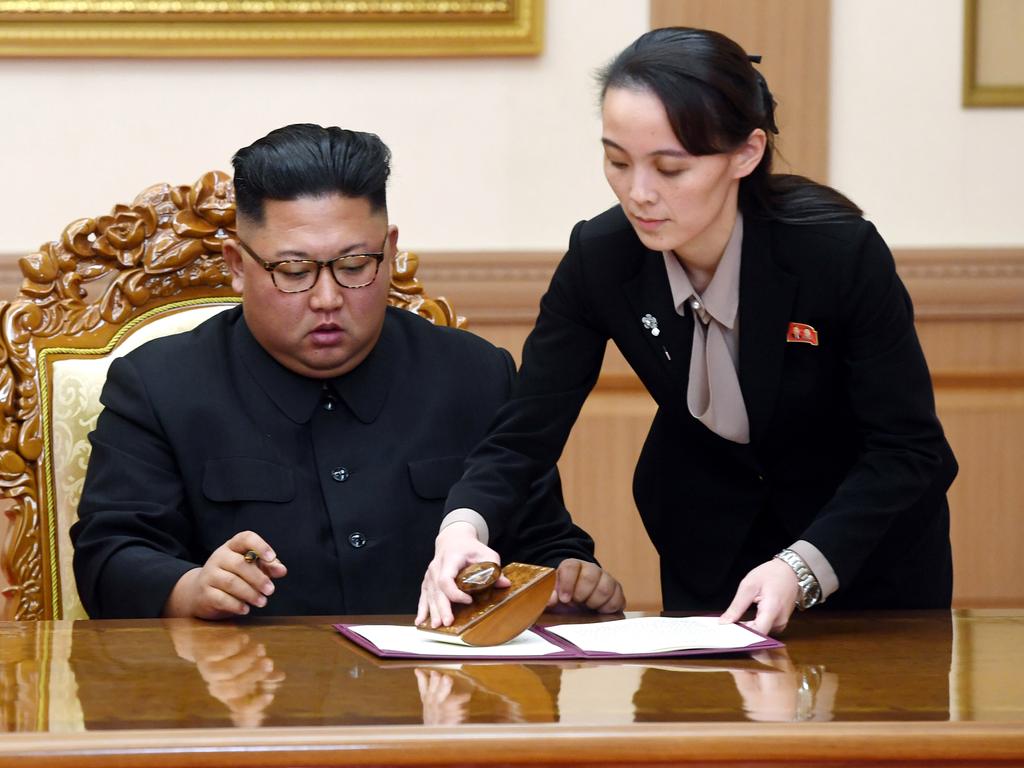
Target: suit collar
(363, 389)
(767, 294)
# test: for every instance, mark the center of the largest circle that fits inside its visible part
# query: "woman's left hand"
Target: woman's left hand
(774, 588)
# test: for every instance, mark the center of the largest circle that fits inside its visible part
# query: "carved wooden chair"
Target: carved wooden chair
(109, 284)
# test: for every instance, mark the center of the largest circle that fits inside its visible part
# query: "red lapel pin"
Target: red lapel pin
(803, 333)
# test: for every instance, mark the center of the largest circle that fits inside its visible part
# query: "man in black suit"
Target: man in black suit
(314, 426)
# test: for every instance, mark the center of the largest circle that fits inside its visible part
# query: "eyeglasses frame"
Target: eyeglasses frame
(271, 266)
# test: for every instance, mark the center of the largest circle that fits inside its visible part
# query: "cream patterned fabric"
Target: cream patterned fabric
(75, 406)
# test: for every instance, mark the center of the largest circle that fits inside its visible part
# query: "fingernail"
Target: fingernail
(270, 555)
(261, 601)
(268, 588)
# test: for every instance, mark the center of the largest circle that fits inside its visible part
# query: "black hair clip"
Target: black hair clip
(755, 57)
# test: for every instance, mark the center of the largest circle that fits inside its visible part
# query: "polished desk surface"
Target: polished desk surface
(884, 688)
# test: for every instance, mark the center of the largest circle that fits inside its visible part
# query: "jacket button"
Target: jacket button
(340, 474)
(357, 540)
(328, 404)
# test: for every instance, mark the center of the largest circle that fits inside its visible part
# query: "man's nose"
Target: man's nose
(326, 294)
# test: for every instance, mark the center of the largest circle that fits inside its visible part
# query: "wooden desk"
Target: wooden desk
(878, 688)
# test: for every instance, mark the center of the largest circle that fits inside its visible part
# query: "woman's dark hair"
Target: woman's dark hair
(306, 160)
(714, 98)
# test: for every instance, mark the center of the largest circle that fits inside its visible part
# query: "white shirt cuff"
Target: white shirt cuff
(819, 565)
(471, 516)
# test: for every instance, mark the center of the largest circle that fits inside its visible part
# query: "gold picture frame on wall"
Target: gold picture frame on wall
(270, 28)
(993, 54)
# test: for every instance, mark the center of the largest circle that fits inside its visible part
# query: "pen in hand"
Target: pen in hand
(252, 556)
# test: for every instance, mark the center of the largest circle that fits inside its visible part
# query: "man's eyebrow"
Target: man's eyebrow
(655, 153)
(288, 253)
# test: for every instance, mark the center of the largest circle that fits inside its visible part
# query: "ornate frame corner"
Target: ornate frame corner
(270, 28)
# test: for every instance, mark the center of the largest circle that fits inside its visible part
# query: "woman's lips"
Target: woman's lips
(648, 225)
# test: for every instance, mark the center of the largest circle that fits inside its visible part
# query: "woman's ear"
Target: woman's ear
(747, 156)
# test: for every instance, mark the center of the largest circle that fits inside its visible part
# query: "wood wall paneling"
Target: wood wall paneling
(793, 38)
(970, 317)
(969, 305)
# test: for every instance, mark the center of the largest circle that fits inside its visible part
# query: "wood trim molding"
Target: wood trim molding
(504, 287)
(945, 283)
(964, 283)
(888, 743)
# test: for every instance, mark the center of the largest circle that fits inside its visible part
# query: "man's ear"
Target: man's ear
(233, 258)
(392, 241)
(747, 156)
(390, 249)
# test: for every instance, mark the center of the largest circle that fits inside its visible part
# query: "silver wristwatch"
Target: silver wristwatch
(810, 589)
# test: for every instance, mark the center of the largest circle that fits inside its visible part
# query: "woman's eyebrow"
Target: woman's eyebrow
(656, 153)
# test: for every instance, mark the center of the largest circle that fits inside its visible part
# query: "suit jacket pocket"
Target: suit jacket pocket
(245, 479)
(433, 478)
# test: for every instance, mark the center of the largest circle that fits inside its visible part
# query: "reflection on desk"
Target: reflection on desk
(277, 677)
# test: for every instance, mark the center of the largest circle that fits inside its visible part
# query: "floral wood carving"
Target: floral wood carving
(165, 246)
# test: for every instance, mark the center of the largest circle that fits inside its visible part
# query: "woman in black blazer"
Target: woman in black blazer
(796, 455)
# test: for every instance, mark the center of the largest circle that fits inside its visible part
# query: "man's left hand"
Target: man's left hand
(587, 584)
(773, 587)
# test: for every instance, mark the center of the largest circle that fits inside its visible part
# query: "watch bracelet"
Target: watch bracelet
(810, 588)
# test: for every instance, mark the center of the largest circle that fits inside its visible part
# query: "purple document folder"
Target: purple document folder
(566, 649)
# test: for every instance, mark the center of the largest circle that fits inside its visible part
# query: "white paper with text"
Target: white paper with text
(408, 639)
(656, 634)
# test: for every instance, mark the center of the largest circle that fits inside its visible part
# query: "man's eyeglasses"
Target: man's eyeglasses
(353, 270)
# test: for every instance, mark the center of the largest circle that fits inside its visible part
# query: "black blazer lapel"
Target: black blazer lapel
(648, 293)
(767, 294)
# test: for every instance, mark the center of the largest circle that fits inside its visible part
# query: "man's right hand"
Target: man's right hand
(456, 547)
(227, 585)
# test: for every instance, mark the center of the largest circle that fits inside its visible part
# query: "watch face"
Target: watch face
(810, 597)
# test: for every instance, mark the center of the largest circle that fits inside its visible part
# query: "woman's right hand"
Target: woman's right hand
(456, 547)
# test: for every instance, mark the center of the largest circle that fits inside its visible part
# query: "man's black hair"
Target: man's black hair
(306, 160)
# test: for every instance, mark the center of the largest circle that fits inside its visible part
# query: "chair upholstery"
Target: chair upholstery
(106, 286)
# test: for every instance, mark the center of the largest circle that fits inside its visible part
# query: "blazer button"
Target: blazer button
(340, 474)
(357, 540)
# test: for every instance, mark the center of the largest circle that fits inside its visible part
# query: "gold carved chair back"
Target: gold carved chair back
(109, 284)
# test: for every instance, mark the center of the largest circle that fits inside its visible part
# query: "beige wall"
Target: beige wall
(926, 170)
(489, 153)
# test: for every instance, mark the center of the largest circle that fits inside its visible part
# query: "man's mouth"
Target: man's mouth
(327, 333)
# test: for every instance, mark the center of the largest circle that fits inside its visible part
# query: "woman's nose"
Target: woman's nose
(640, 189)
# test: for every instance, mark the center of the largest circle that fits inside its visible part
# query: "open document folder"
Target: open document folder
(642, 637)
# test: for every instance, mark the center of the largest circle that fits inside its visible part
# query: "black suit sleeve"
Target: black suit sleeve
(902, 452)
(130, 538)
(561, 362)
(541, 531)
